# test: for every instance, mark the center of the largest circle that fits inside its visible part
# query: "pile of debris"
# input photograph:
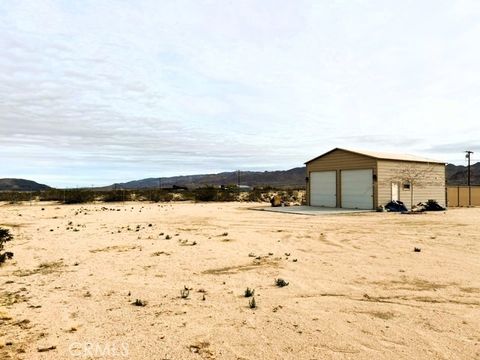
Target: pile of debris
(285, 200)
(398, 206)
(430, 205)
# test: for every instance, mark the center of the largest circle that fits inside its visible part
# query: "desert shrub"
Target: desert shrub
(116, 196)
(252, 303)
(280, 282)
(227, 195)
(139, 302)
(78, 196)
(249, 292)
(155, 195)
(184, 292)
(207, 193)
(186, 195)
(5, 236)
(255, 195)
(210, 193)
(14, 197)
(161, 196)
(52, 195)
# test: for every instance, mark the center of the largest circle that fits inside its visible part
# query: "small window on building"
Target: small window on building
(406, 186)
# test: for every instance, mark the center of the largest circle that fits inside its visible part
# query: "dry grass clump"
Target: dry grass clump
(44, 269)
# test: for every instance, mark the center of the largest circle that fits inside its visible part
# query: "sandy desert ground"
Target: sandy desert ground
(357, 290)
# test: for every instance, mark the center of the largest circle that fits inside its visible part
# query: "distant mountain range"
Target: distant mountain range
(283, 178)
(293, 178)
(457, 174)
(21, 185)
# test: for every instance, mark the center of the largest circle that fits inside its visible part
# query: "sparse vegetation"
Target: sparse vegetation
(281, 282)
(186, 243)
(78, 196)
(5, 236)
(206, 193)
(139, 302)
(116, 196)
(184, 293)
(249, 292)
(158, 253)
(210, 193)
(150, 272)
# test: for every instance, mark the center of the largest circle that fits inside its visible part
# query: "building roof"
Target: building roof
(383, 156)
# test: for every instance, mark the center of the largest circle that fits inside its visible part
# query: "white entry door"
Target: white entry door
(395, 191)
(357, 189)
(323, 188)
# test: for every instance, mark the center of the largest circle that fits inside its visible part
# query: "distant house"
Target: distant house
(365, 180)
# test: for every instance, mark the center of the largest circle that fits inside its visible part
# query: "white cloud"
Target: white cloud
(109, 91)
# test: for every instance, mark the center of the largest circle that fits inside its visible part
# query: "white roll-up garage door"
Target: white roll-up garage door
(323, 188)
(357, 189)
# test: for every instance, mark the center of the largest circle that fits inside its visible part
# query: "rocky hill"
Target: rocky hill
(457, 174)
(21, 185)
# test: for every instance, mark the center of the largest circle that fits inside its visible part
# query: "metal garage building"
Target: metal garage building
(364, 179)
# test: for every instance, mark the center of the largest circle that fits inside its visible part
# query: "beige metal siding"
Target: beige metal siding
(433, 186)
(341, 160)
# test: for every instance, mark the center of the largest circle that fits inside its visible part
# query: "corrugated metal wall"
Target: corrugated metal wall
(432, 187)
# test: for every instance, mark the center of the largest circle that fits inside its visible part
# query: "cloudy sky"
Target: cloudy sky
(96, 92)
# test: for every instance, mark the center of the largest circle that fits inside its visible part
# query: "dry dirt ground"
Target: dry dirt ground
(357, 290)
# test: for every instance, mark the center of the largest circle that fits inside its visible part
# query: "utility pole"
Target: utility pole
(469, 153)
(238, 178)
